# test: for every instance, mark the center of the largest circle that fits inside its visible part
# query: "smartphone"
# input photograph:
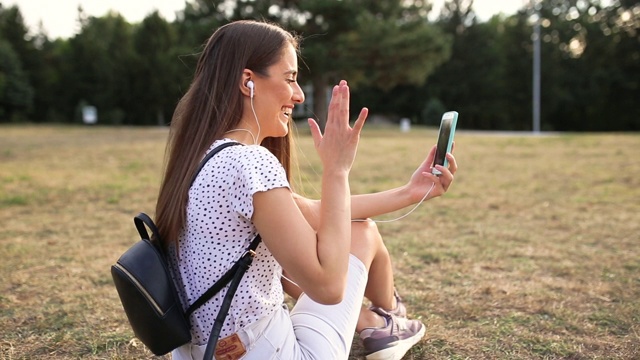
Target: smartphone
(445, 139)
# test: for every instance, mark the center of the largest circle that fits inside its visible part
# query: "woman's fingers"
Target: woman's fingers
(357, 126)
(431, 156)
(453, 164)
(338, 114)
(316, 134)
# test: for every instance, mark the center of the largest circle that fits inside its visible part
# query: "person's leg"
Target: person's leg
(325, 331)
(380, 286)
(368, 246)
(385, 331)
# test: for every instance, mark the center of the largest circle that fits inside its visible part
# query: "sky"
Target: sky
(59, 17)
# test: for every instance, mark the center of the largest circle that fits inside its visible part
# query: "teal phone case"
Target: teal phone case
(446, 134)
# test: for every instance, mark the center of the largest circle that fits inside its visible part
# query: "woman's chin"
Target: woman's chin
(284, 128)
(278, 134)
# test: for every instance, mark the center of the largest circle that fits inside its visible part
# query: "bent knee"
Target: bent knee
(365, 240)
(366, 229)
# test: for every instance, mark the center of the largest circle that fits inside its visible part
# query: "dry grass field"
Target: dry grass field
(534, 253)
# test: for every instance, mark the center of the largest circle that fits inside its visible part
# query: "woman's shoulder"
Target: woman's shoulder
(242, 149)
(243, 155)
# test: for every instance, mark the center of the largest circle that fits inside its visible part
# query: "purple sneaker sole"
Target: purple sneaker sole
(395, 348)
(392, 341)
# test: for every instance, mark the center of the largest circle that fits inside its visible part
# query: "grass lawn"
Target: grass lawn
(532, 254)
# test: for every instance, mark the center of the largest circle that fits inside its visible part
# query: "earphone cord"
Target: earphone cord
(257, 122)
(252, 137)
(255, 141)
(407, 214)
(383, 221)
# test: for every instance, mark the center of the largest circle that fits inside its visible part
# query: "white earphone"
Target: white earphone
(250, 85)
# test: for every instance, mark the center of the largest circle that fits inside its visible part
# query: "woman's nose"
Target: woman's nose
(298, 94)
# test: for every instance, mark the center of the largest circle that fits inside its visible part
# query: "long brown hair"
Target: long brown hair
(212, 106)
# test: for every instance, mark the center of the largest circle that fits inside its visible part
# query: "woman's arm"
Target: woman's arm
(362, 206)
(384, 202)
(421, 182)
(316, 259)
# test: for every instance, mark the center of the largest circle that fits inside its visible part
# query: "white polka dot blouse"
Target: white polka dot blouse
(217, 232)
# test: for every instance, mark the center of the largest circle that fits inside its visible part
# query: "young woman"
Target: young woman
(244, 90)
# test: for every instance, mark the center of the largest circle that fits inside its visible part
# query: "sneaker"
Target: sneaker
(400, 310)
(392, 341)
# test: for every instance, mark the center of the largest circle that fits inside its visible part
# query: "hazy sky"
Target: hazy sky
(59, 17)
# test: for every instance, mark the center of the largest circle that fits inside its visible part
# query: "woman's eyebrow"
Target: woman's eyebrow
(291, 72)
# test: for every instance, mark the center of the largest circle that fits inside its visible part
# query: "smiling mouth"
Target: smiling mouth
(287, 112)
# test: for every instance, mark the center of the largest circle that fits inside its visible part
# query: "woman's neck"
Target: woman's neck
(242, 135)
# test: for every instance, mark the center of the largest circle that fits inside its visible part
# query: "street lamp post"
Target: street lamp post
(536, 67)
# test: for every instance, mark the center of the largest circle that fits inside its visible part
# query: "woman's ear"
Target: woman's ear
(246, 77)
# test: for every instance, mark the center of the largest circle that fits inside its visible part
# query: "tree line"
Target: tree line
(400, 60)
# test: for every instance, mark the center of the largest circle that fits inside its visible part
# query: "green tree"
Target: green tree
(604, 46)
(16, 94)
(39, 64)
(197, 21)
(193, 26)
(379, 45)
(101, 58)
(155, 80)
(624, 63)
(471, 81)
(591, 71)
(17, 59)
(374, 44)
(43, 66)
(15, 32)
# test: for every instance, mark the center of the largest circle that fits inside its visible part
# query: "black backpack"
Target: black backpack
(148, 294)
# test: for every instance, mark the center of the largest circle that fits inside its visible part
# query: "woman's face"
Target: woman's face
(276, 94)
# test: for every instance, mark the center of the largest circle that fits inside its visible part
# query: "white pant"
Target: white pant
(310, 331)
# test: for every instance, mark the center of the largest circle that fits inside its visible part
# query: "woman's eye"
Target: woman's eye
(291, 81)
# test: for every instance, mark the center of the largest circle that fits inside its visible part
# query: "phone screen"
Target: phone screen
(443, 140)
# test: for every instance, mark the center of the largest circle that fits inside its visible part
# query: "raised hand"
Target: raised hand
(338, 145)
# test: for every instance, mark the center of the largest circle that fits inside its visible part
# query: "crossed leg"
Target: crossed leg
(368, 246)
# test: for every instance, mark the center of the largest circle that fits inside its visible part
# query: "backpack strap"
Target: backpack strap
(143, 219)
(241, 267)
(247, 258)
(233, 275)
(210, 155)
(140, 221)
(224, 280)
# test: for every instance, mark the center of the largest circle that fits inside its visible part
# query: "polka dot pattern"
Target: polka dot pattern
(217, 232)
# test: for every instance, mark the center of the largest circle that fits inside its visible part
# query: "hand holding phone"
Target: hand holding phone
(445, 140)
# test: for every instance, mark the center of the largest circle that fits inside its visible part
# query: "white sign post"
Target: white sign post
(89, 115)
(405, 125)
